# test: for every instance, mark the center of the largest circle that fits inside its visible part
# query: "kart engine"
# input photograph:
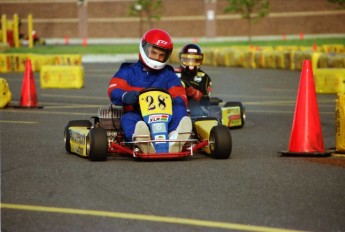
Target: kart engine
(109, 119)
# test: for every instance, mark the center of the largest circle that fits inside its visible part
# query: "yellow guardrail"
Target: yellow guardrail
(15, 62)
(62, 76)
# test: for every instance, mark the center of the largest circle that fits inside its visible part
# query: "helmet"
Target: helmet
(155, 38)
(191, 55)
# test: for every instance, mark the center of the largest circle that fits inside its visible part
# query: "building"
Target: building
(182, 18)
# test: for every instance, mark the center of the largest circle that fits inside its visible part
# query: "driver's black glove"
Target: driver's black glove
(130, 98)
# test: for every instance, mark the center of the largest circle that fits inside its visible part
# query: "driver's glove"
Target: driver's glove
(130, 98)
(194, 93)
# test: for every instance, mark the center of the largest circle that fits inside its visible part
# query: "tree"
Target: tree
(251, 10)
(339, 2)
(146, 9)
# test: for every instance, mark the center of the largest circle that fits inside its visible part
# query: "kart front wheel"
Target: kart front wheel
(97, 144)
(220, 142)
(78, 123)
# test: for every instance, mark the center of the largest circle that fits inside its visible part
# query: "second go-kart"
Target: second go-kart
(230, 114)
(104, 136)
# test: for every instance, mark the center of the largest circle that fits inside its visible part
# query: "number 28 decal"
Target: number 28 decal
(153, 104)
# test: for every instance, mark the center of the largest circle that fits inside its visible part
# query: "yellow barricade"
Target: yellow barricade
(259, 59)
(16, 62)
(38, 61)
(286, 48)
(67, 59)
(6, 95)
(223, 57)
(340, 123)
(283, 59)
(235, 57)
(174, 57)
(249, 59)
(3, 63)
(336, 61)
(339, 48)
(269, 57)
(242, 56)
(208, 56)
(322, 61)
(62, 76)
(298, 59)
(329, 80)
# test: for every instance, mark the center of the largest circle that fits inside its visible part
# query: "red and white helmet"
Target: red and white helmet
(157, 38)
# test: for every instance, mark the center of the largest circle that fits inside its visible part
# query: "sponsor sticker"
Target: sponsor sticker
(158, 118)
(160, 137)
(77, 137)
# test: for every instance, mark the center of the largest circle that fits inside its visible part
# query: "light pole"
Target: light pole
(139, 8)
(82, 12)
(210, 11)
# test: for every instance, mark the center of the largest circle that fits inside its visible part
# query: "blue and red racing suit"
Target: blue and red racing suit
(135, 76)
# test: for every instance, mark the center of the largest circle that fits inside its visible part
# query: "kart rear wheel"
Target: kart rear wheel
(220, 142)
(97, 144)
(81, 123)
(242, 111)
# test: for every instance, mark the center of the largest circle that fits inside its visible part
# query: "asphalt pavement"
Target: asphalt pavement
(45, 189)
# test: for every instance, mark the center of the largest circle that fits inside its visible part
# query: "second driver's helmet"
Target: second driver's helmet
(191, 57)
(157, 38)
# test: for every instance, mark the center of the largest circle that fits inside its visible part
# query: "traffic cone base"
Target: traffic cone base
(306, 133)
(325, 153)
(28, 107)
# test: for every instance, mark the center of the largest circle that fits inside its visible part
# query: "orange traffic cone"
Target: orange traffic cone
(301, 36)
(84, 42)
(28, 97)
(306, 134)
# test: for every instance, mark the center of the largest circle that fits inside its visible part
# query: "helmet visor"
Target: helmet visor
(156, 53)
(191, 59)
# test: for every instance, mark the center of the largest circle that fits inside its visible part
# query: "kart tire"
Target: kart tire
(242, 110)
(97, 144)
(81, 123)
(220, 142)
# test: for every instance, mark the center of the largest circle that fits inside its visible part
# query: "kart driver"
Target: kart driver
(150, 71)
(197, 83)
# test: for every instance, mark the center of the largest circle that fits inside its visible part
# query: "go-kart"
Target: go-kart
(231, 114)
(104, 136)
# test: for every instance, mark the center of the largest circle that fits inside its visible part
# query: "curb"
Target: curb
(119, 58)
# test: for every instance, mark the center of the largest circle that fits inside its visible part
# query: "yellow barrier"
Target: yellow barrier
(235, 57)
(222, 58)
(329, 80)
(6, 95)
(3, 63)
(286, 48)
(68, 59)
(270, 59)
(340, 48)
(38, 61)
(322, 61)
(15, 62)
(336, 61)
(12, 62)
(298, 59)
(283, 59)
(340, 123)
(62, 76)
(248, 59)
